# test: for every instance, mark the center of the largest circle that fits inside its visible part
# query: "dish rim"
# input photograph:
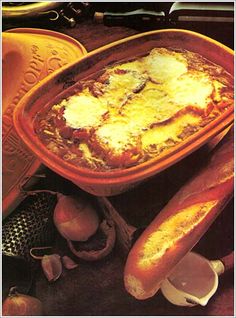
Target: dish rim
(120, 175)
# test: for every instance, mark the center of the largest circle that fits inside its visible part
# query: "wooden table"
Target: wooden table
(97, 288)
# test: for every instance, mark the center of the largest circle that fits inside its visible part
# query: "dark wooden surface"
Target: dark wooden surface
(97, 288)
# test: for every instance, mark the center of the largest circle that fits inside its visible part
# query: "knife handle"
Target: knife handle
(138, 17)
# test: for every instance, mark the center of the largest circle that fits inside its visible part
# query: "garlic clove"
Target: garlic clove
(52, 267)
(68, 262)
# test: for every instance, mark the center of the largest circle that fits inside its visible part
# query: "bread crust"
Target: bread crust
(181, 224)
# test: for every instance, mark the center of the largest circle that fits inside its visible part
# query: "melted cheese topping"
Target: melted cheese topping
(190, 89)
(163, 65)
(137, 109)
(120, 87)
(84, 110)
(154, 139)
(117, 134)
(172, 230)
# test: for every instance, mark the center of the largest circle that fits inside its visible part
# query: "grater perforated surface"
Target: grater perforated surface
(30, 225)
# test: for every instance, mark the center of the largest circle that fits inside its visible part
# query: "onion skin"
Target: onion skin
(52, 267)
(75, 218)
(108, 228)
(17, 304)
(68, 262)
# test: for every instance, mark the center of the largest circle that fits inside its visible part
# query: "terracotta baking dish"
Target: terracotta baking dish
(117, 181)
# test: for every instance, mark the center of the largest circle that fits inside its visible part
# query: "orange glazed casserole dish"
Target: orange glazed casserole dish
(135, 110)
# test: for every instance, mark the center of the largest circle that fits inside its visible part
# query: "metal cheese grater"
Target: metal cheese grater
(30, 225)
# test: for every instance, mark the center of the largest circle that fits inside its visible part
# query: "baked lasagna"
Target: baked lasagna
(135, 110)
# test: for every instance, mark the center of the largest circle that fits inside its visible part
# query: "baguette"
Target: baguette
(181, 224)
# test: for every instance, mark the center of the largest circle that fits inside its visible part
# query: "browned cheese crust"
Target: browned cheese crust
(136, 110)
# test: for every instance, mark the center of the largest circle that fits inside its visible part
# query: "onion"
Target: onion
(17, 304)
(75, 218)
